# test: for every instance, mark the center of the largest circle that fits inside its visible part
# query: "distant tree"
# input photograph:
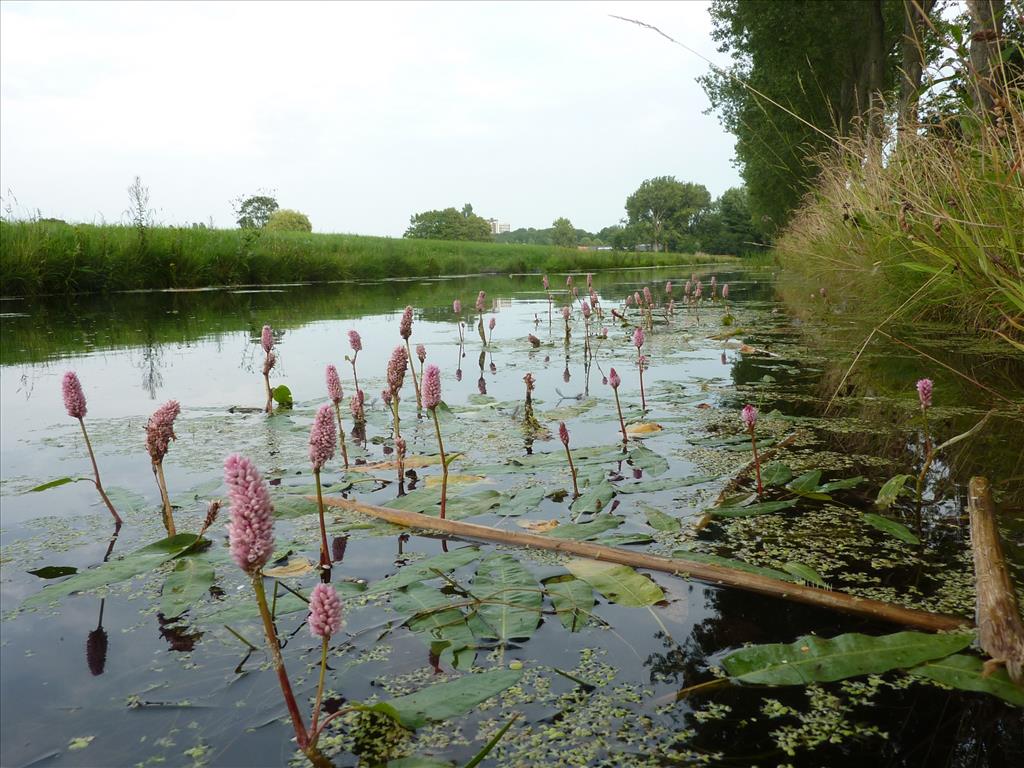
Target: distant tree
(449, 224)
(254, 212)
(727, 226)
(286, 220)
(563, 233)
(668, 207)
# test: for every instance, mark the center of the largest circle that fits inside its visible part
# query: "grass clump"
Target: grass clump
(52, 257)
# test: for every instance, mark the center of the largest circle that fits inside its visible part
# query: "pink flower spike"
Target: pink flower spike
(638, 337)
(322, 437)
(324, 611)
(647, 296)
(421, 353)
(334, 385)
(749, 415)
(74, 397)
(405, 325)
(586, 310)
(604, 333)
(725, 291)
(251, 529)
(924, 392)
(432, 386)
(636, 298)
(668, 287)
(355, 341)
(267, 338)
(590, 280)
(396, 369)
(480, 301)
(491, 323)
(613, 379)
(568, 280)
(385, 395)
(547, 285)
(687, 288)
(629, 300)
(268, 363)
(457, 307)
(160, 429)
(565, 314)
(563, 433)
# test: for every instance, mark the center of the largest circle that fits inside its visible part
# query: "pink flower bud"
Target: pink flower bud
(334, 385)
(385, 395)
(924, 392)
(586, 310)
(322, 437)
(565, 314)
(668, 287)
(563, 433)
(547, 285)
(74, 397)
(636, 298)
(629, 301)
(604, 333)
(638, 337)
(725, 291)
(457, 307)
(160, 429)
(749, 416)
(421, 353)
(648, 297)
(568, 280)
(267, 338)
(432, 386)
(405, 325)
(251, 529)
(491, 323)
(590, 280)
(355, 341)
(396, 369)
(687, 288)
(480, 301)
(269, 362)
(614, 379)
(324, 611)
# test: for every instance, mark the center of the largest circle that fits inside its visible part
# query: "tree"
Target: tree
(668, 207)
(563, 234)
(287, 220)
(449, 224)
(727, 226)
(254, 212)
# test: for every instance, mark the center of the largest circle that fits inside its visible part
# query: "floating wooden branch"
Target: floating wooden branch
(713, 574)
(1000, 630)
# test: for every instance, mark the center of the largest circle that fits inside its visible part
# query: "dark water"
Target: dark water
(104, 678)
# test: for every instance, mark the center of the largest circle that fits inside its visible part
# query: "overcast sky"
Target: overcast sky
(357, 115)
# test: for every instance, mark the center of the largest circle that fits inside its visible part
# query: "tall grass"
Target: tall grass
(45, 257)
(931, 227)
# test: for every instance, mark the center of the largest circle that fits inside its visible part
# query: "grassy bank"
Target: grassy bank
(932, 229)
(38, 257)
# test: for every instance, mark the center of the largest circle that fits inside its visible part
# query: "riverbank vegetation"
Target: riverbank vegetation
(50, 257)
(888, 170)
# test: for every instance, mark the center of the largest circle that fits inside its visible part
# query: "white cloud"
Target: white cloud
(358, 114)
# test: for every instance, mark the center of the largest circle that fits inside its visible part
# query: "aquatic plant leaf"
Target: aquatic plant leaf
(282, 396)
(806, 483)
(53, 571)
(297, 566)
(573, 600)
(645, 428)
(444, 701)
(814, 659)
(566, 412)
(660, 521)
(841, 485)
(624, 539)
(884, 524)
(525, 500)
(965, 672)
(584, 531)
(415, 761)
(804, 573)
(442, 626)
(893, 487)
(776, 473)
(727, 562)
(114, 571)
(619, 583)
(287, 505)
(652, 463)
(56, 483)
(511, 597)
(185, 586)
(544, 461)
(664, 484)
(761, 508)
(427, 501)
(594, 498)
(425, 569)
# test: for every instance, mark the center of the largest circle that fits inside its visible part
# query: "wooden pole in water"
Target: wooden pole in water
(714, 574)
(1000, 630)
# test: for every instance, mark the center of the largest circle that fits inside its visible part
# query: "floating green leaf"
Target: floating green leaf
(804, 573)
(510, 597)
(761, 508)
(185, 586)
(776, 473)
(619, 583)
(841, 485)
(573, 600)
(444, 701)
(893, 487)
(282, 396)
(584, 531)
(56, 483)
(884, 524)
(571, 411)
(806, 483)
(966, 673)
(813, 659)
(652, 463)
(54, 571)
(664, 484)
(431, 615)
(425, 569)
(594, 499)
(524, 501)
(659, 521)
(623, 539)
(739, 565)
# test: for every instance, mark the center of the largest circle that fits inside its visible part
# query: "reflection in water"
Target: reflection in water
(178, 636)
(152, 356)
(96, 646)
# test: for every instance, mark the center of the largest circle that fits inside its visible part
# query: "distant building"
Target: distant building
(498, 227)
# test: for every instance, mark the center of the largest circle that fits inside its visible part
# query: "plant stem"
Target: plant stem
(572, 471)
(96, 472)
(622, 423)
(355, 378)
(398, 434)
(319, 690)
(415, 381)
(158, 472)
(275, 654)
(270, 395)
(640, 365)
(325, 556)
(341, 434)
(444, 463)
(757, 462)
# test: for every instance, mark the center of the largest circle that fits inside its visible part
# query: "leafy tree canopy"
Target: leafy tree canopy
(254, 212)
(562, 233)
(727, 226)
(286, 220)
(667, 209)
(449, 224)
